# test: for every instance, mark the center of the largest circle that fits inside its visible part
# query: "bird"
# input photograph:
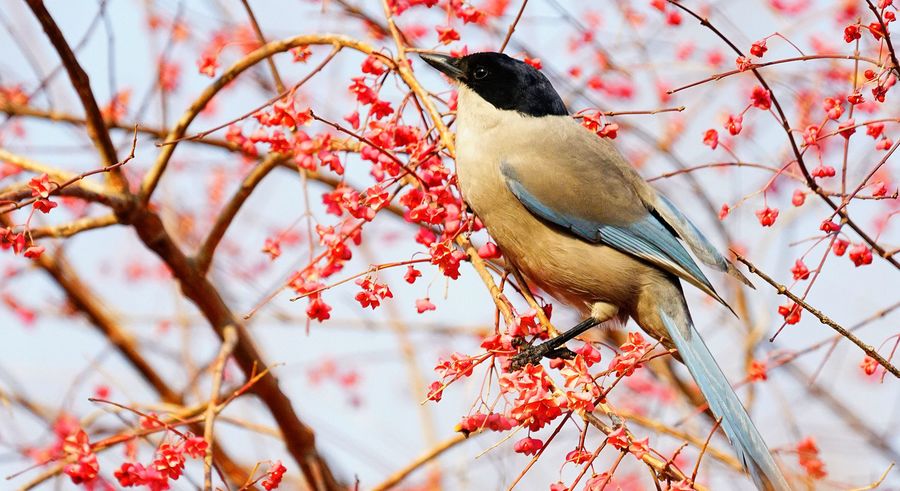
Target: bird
(577, 220)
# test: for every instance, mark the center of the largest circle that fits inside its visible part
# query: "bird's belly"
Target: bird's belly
(570, 269)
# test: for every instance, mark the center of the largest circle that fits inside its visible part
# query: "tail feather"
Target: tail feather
(749, 445)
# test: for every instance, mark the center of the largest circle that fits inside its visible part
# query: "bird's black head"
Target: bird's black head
(505, 82)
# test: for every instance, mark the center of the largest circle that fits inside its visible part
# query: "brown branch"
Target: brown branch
(151, 180)
(81, 83)
(512, 27)
(72, 180)
(299, 437)
(824, 319)
(69, 229)
(279, 84)
(421, 460)
(887, 37)
(228, 343)
(662, 468)
(86, 301)
(204, 255)
(337, 144)
(262, 106)
(30, 165)
(877, 483)
(703, 449)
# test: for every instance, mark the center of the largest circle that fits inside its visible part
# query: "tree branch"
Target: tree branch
(81, 83)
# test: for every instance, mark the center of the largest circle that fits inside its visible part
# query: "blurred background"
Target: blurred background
(359, 379)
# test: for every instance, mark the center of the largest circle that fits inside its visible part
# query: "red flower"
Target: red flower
(828, 226)
(373, 66)
(851, 33)
(169, 461)
(195, 447)
(40, 186)
(578, 456)
(208, 63)
(528, 446)
(274, 476)
(800, 271)
(790, 312)
(447, 34)
(609, 130)
(833, 108)
(860, 255)
(798, 198)
(711, 138)
(446, 258)
(761, 98)
(34, 252)
(808, 456)
(318, 309)
(272, 247)
(618, 438)
(364, 94)
(823, 171)
(435, 391)
(757, 371)
(381, 109)
(82, 463)
(301, 53)
(869, 365)
(723, 211)
(424, 304)
(535, 62)
(129, 474)
(758, 49)
(840, 247)
(767, 216)
(734, 125)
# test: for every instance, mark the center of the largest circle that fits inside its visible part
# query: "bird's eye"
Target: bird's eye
(480, 73)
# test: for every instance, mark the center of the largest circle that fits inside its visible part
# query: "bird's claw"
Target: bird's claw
(532, 355)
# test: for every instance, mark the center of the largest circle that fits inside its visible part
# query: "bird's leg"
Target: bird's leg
(552, 348)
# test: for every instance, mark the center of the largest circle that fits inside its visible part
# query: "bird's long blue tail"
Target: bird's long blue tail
(749, 445)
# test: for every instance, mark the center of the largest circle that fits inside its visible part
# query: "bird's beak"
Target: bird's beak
(444, 64)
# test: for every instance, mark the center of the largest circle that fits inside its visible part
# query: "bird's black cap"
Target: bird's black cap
(505, 82)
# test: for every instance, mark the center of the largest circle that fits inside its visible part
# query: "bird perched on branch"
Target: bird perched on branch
(573, 216)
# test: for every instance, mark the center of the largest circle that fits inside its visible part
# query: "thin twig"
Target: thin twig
(229, 335)
(82, 85)
(512, 27)
(421, 460)
(824, 319)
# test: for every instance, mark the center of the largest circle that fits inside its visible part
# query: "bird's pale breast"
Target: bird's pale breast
(568, 268)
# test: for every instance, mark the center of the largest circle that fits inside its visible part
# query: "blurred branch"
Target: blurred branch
(86, 301)
(228, 343)
(81, 83)
(204, 255)
(74, 179)
(279, 85)
(435, 452)
(69, 229)
(299, 437)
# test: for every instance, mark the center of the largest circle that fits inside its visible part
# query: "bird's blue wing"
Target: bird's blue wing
(640, 234)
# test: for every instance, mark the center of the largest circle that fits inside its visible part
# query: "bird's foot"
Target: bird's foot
(532, 354)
